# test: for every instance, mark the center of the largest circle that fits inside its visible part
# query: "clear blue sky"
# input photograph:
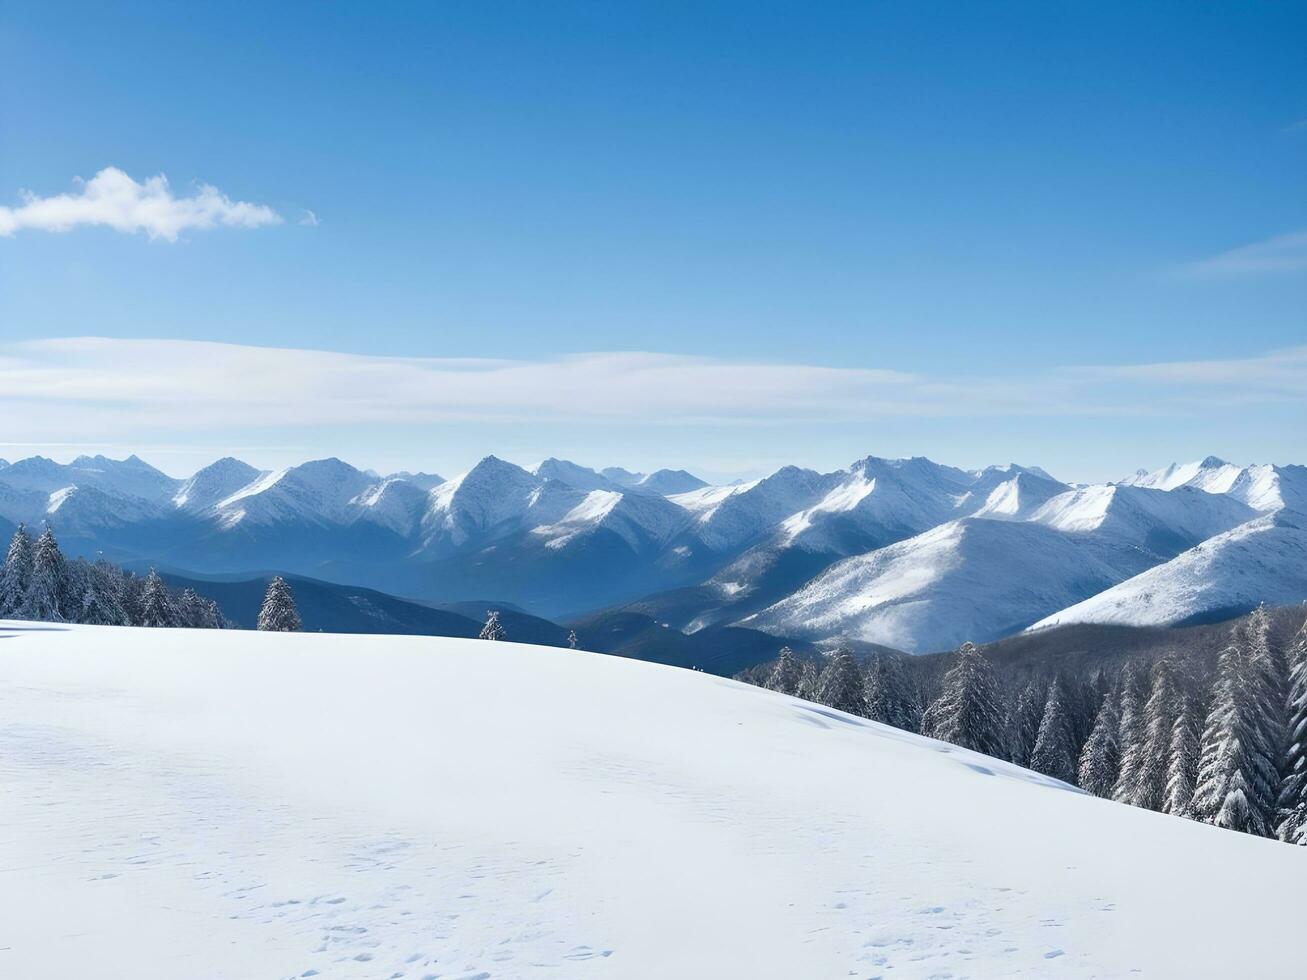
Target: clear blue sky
(952, 191)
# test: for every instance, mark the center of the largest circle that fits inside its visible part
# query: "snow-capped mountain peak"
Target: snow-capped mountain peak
(214, 483)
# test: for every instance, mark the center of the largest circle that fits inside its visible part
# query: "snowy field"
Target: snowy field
(201, 804)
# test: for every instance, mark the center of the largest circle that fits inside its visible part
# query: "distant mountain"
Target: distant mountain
(1264, 560)
(214, 484)
(669, 481)
(907, 552)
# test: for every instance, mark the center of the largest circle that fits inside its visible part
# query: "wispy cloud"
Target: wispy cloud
(96, 388)
(310, 219)
(1283, 253)
(113, 199)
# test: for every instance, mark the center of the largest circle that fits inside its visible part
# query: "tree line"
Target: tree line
(1226, 747)
(37, 582)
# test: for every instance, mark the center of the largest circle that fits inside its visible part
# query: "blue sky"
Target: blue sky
(1000, 198)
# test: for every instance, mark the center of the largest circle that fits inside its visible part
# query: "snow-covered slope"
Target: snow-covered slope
(1264, 560)
(493, 498)
(574, 475)
(240, 805)
(1160, 522)
(215, 483)
(643, 521)
(1010, 493)
(317, 492)
(970, 579)
(1263, 486)
(1212, 474)
(123, 490)
(668, 482)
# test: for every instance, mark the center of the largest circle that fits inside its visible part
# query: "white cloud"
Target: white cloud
(310, 219)
(113, 199)
(94, 389)
(1283, 253)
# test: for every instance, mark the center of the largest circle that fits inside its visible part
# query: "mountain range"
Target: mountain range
(903, 552)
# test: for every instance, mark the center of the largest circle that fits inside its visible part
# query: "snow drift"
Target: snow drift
(234, 805)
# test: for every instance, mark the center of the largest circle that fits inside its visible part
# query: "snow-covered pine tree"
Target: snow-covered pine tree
(1129, 738)
(1023, 722)
(970, 711)
(841, 684)
(1154, 759)
(571, 639)
(891, 698)
(192, 610)
(1100, 759)
(1182, 770)
(810, 681)
(1292, 797)
(101, 596)
(278, 613)
(494, 629)
(157, 609)
(787, 675)
(16, 575)
(1054, 753)
(1238, 767)
(49, 594)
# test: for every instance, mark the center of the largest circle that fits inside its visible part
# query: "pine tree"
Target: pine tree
(1100, 759)
(1292, 798)
(1238, 771)
(970, 710)
(891, 698)
(1054, 753)
(102, 596)
(157, 609)
(787, 675)
(571, 639)
(49, 596)
(810, 682)
(16, 575)
(1023, 724)
(841, 684)
(493, 630)
(1156, 731)
(1182, 770)
(278, 613)
(1130, 739)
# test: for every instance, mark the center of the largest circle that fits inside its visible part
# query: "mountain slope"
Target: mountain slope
(1264, 560)
(971, 579)
(288, 805)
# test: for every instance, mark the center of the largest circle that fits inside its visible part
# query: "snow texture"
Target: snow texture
(233, 805)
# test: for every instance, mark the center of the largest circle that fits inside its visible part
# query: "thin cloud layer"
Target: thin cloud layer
(113, 199)
(1283, 253)
(79, 388)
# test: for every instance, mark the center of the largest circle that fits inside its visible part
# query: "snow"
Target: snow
(705, 500)
(640, 519)
(214, 483)
(1211, 474)
(667, 482)
(970, 579)
(842, 499)
(233, 805)
(1264, 487)
(58, 498)
(1138, 514)
(395, 503)
(1264, 560)
(264, 482)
